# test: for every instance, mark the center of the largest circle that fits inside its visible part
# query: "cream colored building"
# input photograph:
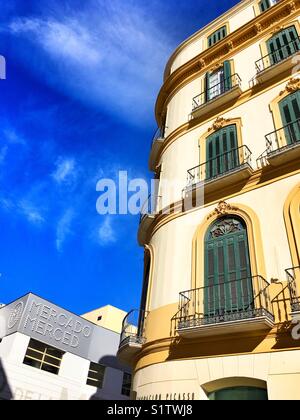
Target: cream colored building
(222, 248)
(108, 317)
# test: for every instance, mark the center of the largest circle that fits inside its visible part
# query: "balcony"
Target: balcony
(157, 144)
(147, 217)
(293, 275)
(236, 306)
(132, 336)
(227, 169)
(283, 145)
(215, 97)
(279, 61)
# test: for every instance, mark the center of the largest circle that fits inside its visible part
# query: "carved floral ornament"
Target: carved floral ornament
(292, 6)
(292, 86)
(277, 29)
(218, 124)
(222, 209)
(225, 227)
(258, 27)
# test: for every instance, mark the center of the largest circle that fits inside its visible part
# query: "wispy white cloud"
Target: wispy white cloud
(106, 233)
(63, 229)
(65, 171)
(111, 54)
(31, 212)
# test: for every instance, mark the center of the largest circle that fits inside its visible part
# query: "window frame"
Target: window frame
(215, 33)
(46, 356)
(124, 390)
(91, 380)
(203, 139)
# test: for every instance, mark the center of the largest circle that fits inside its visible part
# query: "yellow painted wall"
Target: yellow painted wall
(112, 318)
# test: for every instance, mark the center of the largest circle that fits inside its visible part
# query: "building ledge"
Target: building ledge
(217, 102)
(273, 71)
(145, 224)
(128, 350)
(235, 176)
(156, 148)
(265, 322)
(284, 155)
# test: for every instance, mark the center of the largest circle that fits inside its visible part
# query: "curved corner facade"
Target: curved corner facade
(221, 295)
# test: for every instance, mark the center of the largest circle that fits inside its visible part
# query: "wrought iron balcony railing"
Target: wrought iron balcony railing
(221, 165)
(217, 90)
(277, 56)
(284, 138)
(159, 134)
(133, 328)
(293, 275)
(238, 300)
(150, 207)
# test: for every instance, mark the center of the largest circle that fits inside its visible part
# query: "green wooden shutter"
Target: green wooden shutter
(222, 152)
(217, 36)
(290, 114)
(284, 44)
(228, 281)
(227, 75)
(264, 5)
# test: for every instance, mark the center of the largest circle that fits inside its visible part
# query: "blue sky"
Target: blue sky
(77, 106)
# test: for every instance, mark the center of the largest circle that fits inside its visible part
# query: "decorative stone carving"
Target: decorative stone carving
(292, 86)
(277, 29)
(258, 27)
(225, 227)
(222, 209)
(292, 7)
(217, 67)
(230, 45)
(218, 124)
(201, 63)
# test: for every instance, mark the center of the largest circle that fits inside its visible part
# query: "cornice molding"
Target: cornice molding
(239, 39)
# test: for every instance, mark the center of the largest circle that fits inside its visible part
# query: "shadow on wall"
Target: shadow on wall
(5, 391)
(110, 362)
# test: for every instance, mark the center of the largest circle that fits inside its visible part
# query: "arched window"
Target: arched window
(282, 45)
(228, 282)
(241, 393)
(222, 152)
(290, 115)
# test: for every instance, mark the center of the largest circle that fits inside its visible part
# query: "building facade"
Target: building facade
(108, 317)
(48, 353)
(218, 317)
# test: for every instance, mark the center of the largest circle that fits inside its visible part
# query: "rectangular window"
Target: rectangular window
(216, 84)
(96, 375)
(43, 357)
(126, 387)
(266, 4)
(217, 36)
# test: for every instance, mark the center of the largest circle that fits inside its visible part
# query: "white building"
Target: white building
(48, 353)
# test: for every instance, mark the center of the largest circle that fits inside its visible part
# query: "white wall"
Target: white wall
(23, 382)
